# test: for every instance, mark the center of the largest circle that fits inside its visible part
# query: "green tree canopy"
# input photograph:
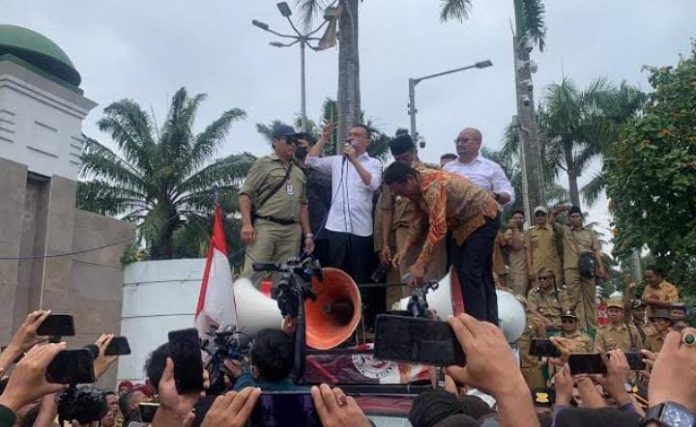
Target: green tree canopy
(164, 180)
(650, 174)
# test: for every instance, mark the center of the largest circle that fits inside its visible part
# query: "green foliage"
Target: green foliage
(378, 148)
(163, 180)
(455, 10)
(651, 175)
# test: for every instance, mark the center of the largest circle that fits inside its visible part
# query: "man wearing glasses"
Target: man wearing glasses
(581, 342)
(540, 242)
(273, 204)
(485, 173)
(548, 300)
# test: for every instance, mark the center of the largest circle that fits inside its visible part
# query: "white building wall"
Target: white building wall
(40, 122)
(158, 297)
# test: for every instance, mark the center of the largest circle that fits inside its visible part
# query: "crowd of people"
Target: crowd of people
(490, 390)
(411, 222)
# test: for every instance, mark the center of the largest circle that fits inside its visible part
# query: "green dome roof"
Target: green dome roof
(39, 51)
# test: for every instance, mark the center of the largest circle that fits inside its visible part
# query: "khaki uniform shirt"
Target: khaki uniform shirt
(265, 174)
(535, 330)
(575, 242)
(581, 342)
(517, 254)
(549, 304)
(665, 291)
(623, 337)
(542, 241)
(654, 342)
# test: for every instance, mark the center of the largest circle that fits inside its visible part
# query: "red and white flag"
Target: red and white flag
(216, 305)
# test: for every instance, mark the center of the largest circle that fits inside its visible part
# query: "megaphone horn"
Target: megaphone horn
(334, 315)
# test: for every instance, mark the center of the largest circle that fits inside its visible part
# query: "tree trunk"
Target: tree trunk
(572, 178)
(348, 99)
(529, 133)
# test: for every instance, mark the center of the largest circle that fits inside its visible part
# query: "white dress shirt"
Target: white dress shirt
(485, 173)
(351, 199)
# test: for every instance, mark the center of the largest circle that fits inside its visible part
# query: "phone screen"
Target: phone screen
(57, 325)
(277, 409)
(188, 365)
(543, 348)
(71, 367)
(118, 347)
(586, 364)
(544, 396)
(419, 340)
(147, 411)
(635, 361)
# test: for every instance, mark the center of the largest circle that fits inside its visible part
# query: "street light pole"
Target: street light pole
(303, 40)
(302, 86)
(412, 82)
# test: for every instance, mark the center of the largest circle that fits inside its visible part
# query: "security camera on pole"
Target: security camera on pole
(528, 131)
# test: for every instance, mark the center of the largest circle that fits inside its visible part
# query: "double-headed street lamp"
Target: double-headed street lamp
(303, 40)
(412, 90)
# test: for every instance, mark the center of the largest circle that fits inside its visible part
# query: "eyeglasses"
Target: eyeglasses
(567, 320)
(545, 277)
(539, 213)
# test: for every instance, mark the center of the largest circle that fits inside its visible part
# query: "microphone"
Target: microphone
(346, 144)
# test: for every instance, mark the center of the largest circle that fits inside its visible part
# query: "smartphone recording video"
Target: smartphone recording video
(635, 361)
(278, 408)
(188, 365)
(118, 347)
(543, 348)
(586, 363)
(71, 367)
(411, 339)
(57, 325)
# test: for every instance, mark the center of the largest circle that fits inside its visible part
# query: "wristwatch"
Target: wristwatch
(669, 414)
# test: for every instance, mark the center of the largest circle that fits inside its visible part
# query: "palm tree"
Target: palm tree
(578, 126)
(379, 145)
(529, 26)
(163, 180)
(348, 98)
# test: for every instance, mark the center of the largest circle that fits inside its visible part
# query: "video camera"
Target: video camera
(225, 343)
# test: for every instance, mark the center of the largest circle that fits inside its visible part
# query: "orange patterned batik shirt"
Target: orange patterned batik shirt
(449, 202)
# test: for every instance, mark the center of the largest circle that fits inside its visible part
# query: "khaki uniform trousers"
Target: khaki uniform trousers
(435, 270)
(274, 243)
(582, 293)
(533, 377)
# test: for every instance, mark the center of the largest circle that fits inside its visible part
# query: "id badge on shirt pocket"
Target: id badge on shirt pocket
(289, 188)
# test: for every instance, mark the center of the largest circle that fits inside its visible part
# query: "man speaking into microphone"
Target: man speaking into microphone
(355, 176)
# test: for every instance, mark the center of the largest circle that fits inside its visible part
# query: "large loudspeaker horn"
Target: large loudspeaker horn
(441, 299)
(329, 320)
(446, 300)
(255, 311)
(335, 314)
(511, 316)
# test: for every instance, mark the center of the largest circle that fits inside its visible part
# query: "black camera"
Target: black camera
(226, 343)
(83, 404)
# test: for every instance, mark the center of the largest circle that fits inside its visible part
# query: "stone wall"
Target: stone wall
(38, 220)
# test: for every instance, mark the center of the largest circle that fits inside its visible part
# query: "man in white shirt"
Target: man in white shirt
(355, 176)
(483, 172)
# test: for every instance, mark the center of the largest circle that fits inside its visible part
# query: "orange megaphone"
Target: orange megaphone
(335, 314)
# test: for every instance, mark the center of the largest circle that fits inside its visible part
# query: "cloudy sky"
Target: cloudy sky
(146, 50)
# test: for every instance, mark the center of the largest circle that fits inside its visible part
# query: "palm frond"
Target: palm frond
(130, 128)
(205, 142)
(593, 189)
(229, 170)
(454, 10)
(309, 9)
(533, 21)
(99, 161)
